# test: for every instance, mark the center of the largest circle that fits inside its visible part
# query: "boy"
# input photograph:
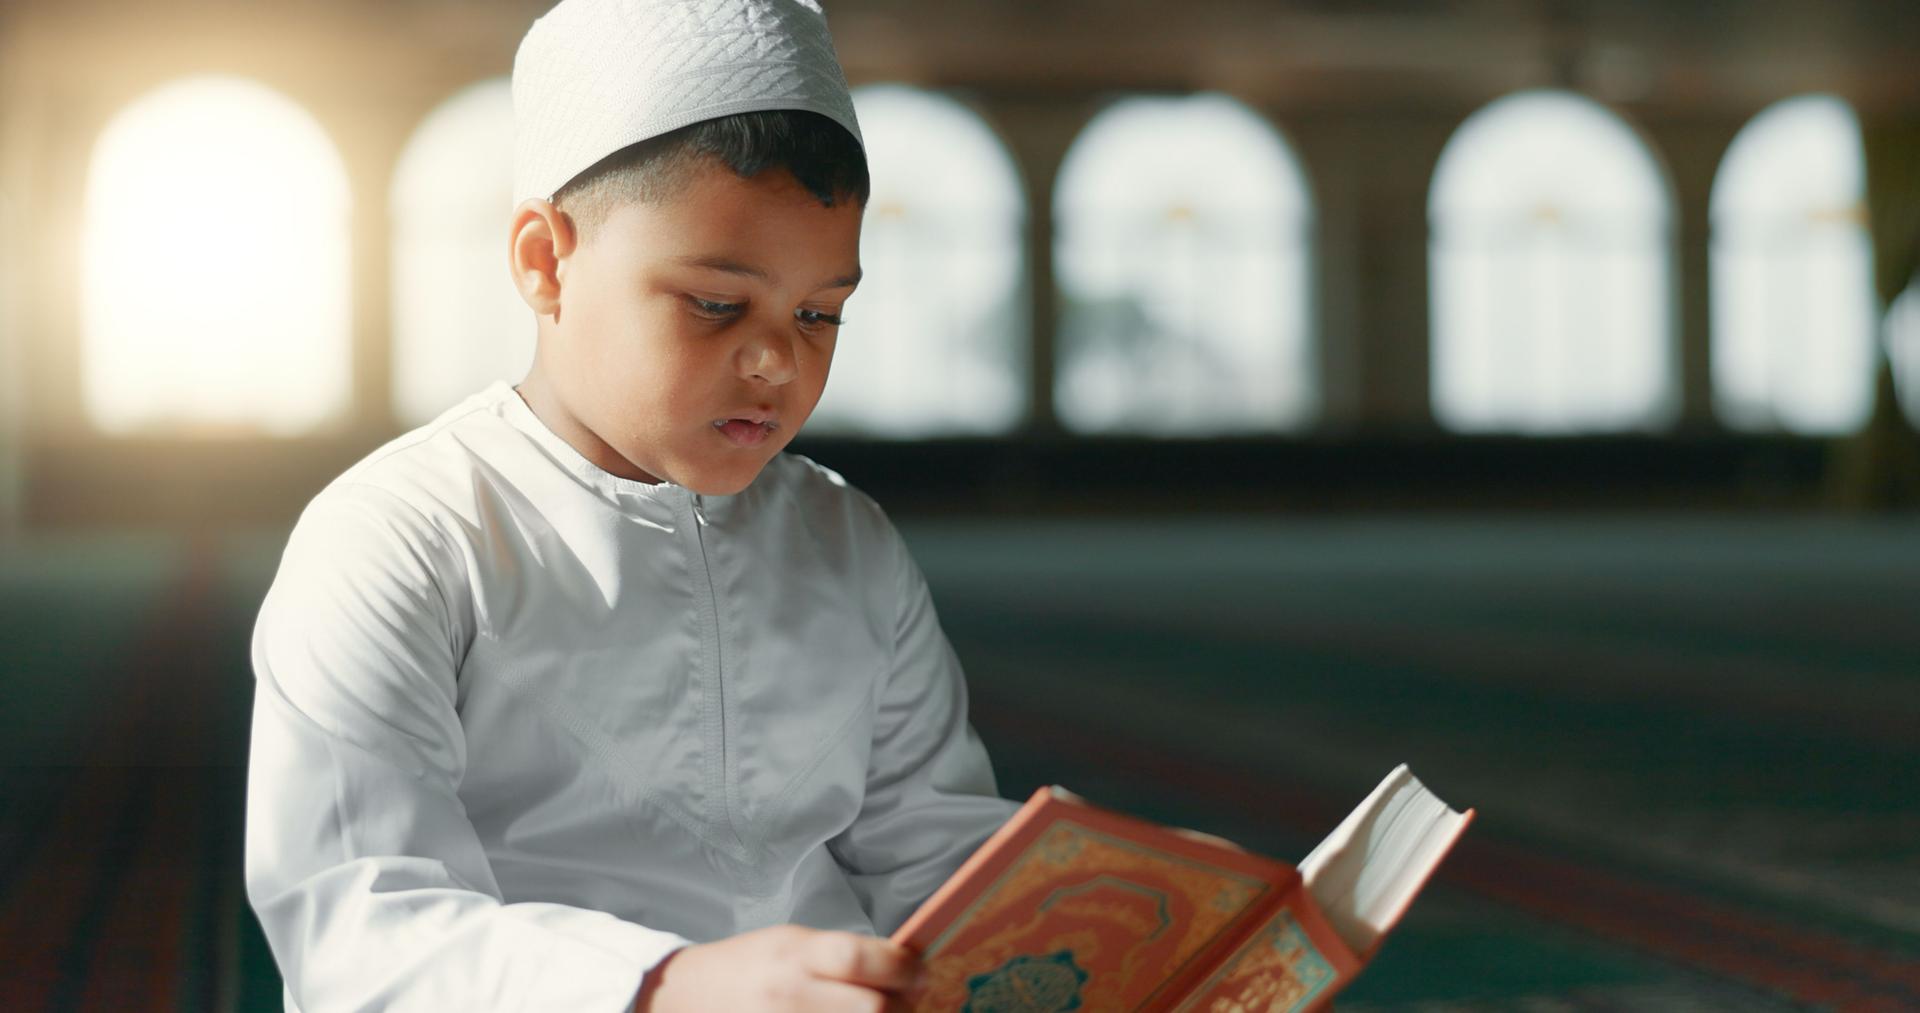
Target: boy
(583, 696)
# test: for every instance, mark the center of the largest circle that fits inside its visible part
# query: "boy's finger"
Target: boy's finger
(863, 960)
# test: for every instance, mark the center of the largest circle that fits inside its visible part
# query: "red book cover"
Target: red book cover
(1071, 906)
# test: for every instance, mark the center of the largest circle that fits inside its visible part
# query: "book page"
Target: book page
(1366, 873)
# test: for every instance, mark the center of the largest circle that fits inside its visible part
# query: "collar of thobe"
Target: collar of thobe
(625, 494)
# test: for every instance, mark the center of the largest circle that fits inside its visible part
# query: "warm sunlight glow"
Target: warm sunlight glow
(458, 323)
(215, 265)
(1793, 301)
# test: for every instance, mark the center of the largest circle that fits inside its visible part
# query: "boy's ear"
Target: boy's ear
(543, 238)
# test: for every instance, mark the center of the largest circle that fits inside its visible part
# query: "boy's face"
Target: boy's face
(689, 339)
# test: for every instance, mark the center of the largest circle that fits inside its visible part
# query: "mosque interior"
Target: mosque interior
(1272, 393)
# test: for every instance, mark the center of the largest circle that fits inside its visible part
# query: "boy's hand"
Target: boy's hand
(786, 968)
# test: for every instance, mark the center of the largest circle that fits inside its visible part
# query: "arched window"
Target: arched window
(458, 323)
(936, 336)
(214, 291)
(1903, 348)
(1793, 301)
(1550, 252)
(1181, 257)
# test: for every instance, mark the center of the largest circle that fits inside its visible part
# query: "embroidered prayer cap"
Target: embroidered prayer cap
(593, 76)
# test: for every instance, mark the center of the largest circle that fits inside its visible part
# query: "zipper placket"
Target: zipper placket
(716, 730)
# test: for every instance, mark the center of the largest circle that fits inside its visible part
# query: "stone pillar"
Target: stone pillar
(369, 136)
(1390, 156)
(1038, 131)
(1324, 146)
(1690, 150)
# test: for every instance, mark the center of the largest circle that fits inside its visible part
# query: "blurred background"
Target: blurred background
(1272, 391)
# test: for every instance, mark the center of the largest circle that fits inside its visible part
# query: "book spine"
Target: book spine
(1209, 961)
(1291, 960)
(1345, 963)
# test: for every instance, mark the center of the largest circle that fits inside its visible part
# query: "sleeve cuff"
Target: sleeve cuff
(597, 963)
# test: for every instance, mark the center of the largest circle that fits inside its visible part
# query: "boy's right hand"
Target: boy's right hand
(785, 968)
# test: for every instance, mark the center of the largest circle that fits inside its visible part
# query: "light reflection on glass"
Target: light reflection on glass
(1182, 266)
(1793, 302)
(1903, 347)
(1550, 272)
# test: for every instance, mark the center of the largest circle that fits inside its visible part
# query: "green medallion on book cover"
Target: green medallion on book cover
(1049, 984)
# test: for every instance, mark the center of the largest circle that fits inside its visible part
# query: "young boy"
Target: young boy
(583, 696)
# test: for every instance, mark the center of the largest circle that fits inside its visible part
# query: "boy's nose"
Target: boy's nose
(770, 358)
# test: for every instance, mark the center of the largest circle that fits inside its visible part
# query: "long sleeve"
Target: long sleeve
(369, 880)
(930, 793)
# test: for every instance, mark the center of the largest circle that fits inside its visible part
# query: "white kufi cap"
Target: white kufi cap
(593, 76)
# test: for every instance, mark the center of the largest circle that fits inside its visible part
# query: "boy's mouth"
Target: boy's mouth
(746, 432)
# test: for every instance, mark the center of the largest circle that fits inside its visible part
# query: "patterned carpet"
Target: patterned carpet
(1692, 741)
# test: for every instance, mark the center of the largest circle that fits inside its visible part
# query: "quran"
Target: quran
(1070, 906)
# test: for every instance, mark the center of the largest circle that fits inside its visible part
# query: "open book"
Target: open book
(1071, 906)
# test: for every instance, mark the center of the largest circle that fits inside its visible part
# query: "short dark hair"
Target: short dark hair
(820, 153)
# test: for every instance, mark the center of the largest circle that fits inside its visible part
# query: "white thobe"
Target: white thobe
(523, 727)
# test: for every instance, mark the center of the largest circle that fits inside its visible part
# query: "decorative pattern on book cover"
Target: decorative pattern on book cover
(1073, 907)
(1277, 970)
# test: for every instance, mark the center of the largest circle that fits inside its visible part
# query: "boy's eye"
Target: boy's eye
(814, 318)
(716, 310)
